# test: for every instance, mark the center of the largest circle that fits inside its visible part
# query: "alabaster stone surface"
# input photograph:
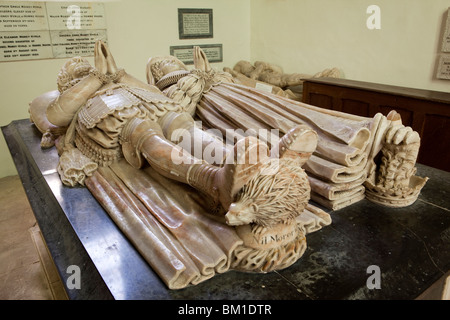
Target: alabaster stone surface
(394, 184)
(181, 166)
(37, 110)
(269, 77)
(245, 209)
(342, 166)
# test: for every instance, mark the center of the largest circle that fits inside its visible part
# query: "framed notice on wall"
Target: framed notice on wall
(195, 23)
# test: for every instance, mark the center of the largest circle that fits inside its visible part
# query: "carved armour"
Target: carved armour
(121, 97)
(101, 120)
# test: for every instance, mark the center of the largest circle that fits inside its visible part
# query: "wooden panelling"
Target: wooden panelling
(436, 137)
(321, 100)
(357, 107)
(427, 112)
(407, 115)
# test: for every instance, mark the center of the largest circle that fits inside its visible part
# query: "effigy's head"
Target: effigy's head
(244, 67)
(158, 67)
(72, 72)
(271, 199)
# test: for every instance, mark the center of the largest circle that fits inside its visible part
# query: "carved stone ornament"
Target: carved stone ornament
(394, 184)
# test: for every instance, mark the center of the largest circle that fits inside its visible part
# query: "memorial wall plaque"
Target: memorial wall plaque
(195, 23)
(64, 15)
(25, 45)
(68, 43)
(443, 71)
(185, 54)
(444, 67)
(45, 30)
(446, 38)
(22, 16)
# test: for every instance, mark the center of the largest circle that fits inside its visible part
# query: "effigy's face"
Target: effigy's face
(72, 72)
(78, 68)
(170, 65)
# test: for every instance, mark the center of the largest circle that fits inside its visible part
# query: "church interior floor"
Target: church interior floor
(27, 271)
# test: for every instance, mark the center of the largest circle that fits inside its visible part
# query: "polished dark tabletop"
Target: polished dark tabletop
(410, 246)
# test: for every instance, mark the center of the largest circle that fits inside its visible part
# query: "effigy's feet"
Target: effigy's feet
(244, 163)
(394, 183)
(298, 143)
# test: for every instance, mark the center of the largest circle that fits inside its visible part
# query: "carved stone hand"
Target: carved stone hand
(200, 60)
(111, 63)
(100, 54)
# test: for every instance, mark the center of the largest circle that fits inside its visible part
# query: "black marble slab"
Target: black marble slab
(410, 246)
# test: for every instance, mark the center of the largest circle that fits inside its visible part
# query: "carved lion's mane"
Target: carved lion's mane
(277, 198)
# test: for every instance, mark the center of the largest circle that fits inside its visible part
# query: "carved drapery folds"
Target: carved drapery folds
(347, 145)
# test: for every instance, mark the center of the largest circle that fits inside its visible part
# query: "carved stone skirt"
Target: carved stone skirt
(169, 224)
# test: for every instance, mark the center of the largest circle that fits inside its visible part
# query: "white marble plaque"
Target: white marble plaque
(25, 45)
(46, 30)
(444, 67)
(446, 38)
(22, 16)
(70, 43)
(69, 15)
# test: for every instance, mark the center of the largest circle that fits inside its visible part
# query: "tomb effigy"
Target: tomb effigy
(246, 206)
(345, 167)
(269, 77)
(189, 218)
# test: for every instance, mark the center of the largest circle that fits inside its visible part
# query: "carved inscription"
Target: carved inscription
(446, 38)
(195, 23)
(268, 238)
(277, 238)
(44, 30)
(444, 67)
